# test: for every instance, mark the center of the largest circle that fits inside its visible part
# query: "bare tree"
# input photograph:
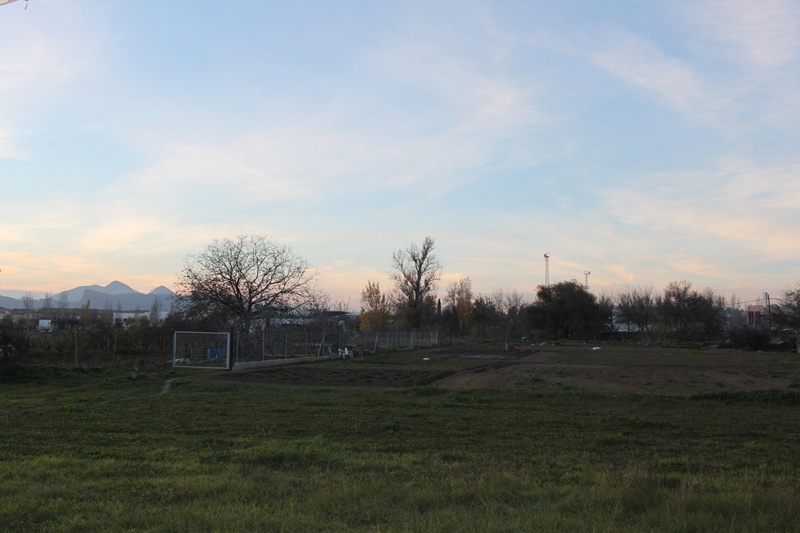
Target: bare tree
(107, 316)
(417, 271)
(787, 313)
(248, 277)
(514, 300)
(637, 306)
(675, 306)
(155, 311)
(29, 304)
(47, 304)
(498, 299)
(63, 303)
(515, 312)
(688, 313)
(507, 314)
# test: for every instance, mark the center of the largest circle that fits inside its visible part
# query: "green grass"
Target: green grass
(101, 450)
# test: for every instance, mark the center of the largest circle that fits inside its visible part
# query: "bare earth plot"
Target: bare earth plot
(634, 369)
(639, 370)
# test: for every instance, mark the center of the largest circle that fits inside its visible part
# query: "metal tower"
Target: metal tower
(547, 270)
(586, 276)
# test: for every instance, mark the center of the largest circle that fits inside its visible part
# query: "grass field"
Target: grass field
(471, 439)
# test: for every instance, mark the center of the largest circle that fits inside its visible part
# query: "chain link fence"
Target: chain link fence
(285, 341)
(375, 341)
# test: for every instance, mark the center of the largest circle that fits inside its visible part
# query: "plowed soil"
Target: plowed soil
(637, 369)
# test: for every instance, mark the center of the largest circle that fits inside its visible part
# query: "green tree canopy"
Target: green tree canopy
(567, 310)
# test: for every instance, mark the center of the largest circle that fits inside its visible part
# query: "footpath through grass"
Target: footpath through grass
(104, 451)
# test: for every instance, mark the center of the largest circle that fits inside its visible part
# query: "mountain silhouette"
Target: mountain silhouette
(116, 295)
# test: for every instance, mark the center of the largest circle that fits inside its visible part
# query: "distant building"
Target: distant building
(126, 318)
(756, 314)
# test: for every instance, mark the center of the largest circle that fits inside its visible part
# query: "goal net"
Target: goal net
(201, 349)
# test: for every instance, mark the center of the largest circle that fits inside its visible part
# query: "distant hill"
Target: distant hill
(162, 291)
(114, 288)
(7, 302)
(115, 295)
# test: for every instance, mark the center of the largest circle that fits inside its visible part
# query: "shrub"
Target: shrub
(749, 338)
(8, 359)
(13, 343)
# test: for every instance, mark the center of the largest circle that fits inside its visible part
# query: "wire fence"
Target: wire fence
(272, 343)
(374, 341)
(286, 342)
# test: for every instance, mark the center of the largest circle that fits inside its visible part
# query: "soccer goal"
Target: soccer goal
(201, 349)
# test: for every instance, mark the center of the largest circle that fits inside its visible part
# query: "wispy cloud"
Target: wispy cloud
(766, 33)
(39, 61)
(8, 147)
(751, 208)
(644, 65)
(354, 142)
(640, 152)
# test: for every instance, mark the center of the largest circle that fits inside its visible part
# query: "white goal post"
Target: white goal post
(201, 349)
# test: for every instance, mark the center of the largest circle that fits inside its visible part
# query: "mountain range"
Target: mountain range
(115, 295)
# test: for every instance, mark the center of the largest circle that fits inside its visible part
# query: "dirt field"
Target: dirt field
(624, 369)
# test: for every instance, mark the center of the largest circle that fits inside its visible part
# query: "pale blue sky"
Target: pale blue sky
(642, 141)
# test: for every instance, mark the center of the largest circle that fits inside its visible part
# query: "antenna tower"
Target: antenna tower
(547, 270)
(586, 277)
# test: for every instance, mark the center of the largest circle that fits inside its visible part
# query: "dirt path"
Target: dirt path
(164, 390)
(165, 387)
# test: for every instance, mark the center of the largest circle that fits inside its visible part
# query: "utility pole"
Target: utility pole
(769, 310)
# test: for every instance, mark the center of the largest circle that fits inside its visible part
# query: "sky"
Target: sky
(643, 142)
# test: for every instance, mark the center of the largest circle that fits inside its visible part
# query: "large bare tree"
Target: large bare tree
(248, 277)
(416, 274)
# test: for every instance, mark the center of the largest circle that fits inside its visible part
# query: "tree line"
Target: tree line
(564, 310)
(251, 282)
